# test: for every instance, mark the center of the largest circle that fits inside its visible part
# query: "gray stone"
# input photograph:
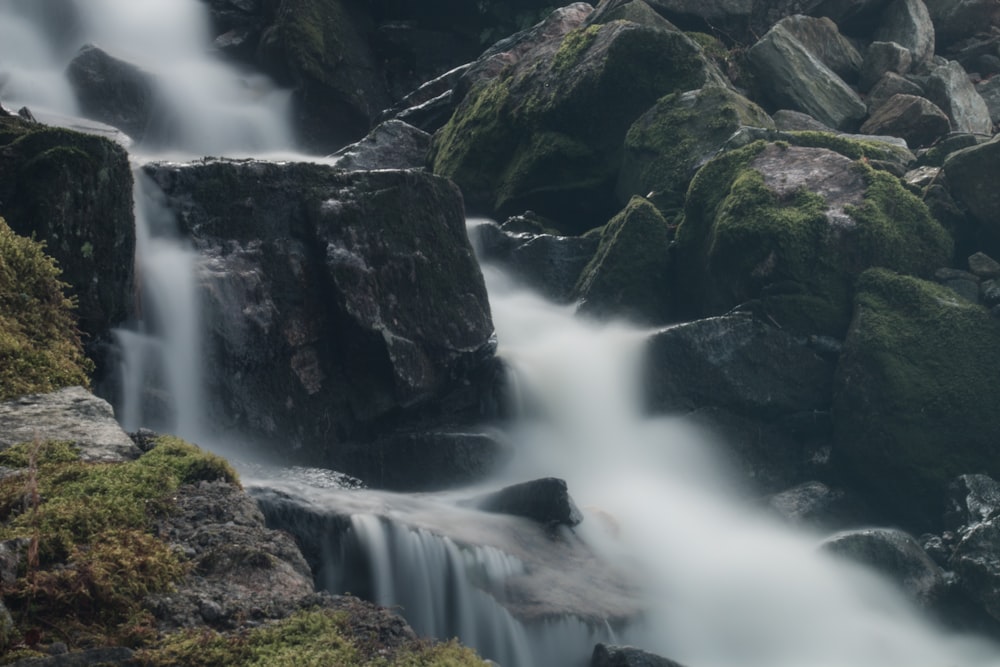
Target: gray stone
(956, 20)
(907, 22)
(975, 561)
(949, 87)
(545, 500)
(112, 91)
(730, 12)
(971, 500)
(984, 266)
(891, 84)
(391, 145)
(72, 414)
(915, 119)
(787, 120)
(823, 39)
(895, 554)
(791, 76)
(972, 174)
(813, 504)
(989, 90)
(636, 11)
(882, 58)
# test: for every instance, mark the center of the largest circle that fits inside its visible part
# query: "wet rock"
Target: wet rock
(791, 76)
(816, 505)
(629, 274)
(548, 263)
(336, 298)
(391, 145)
(915, 119)
(735, 362)
(112, 91)
(975, 562)
(949, 88)
(882, 58)
(607, 655)
(916, 362)
(546, 501)
(896, 555)
(892, 84)
(971, 499)
(908, 23)
(71, 414)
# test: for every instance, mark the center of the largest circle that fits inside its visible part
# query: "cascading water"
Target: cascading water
(719, 586)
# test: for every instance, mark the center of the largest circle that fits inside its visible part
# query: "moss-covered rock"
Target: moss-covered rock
(668, 143)
(789, 229)
(74, 191)
(629, 275)
(40, 348)
(915, 394)
(546, 134)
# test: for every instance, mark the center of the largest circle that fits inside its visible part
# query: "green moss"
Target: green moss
(573, 46)
(44, 453)
(40, 347)
(915, 392)
(189, 464)
(856, 149)
(315, 638)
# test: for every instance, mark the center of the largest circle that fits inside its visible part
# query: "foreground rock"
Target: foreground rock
(334, 299)
(606, 655)
(546, 501)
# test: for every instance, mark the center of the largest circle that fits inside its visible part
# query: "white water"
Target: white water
(722, 587)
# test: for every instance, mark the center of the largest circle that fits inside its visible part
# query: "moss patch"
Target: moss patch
(317, 638)
(40, 347)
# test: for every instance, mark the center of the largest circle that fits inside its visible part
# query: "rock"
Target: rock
(635, 11)
(546, 501)
(666, 145)
(852, 15)
(391, 145)
(975, 561)
(984, 266)
(606, 655)
(336, 298)
(422, 461)
(882, 58)
(916, 362)
(787, 120)
(894, 554)
(113, 91)
(118, 655)
(750, 235)
(629, 275)
(971, 174)
(915, 119)
(908, 23)
(958, 19)
(528, 139)
(72, 414)
(735, 362)
(989, 90)
(815, 505)
(892, 84)
(962, 283)
(949, 88)
(971, 499)
(548, 263)
(791, 76)
(725, 15)
(823, 39)
(74, 191)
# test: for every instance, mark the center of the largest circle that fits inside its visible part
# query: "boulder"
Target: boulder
(956, 20)
(894, 554)
(735, 362)
(823, 39)
(545, 500)
(915, 119)
(787, 229)
(636, 11)
(608, 655)
(971, 500)
(949, 87)
(908, 23)
(974, 560)
(548, 263)
(391, 145)
(815, 505)
(882, 58)
(629, 274)
(912, 394)
(892, 84)
(112, 91)
(787, 120)
(332, 298)
(971, 174)
(72, 414)
(989, 90)
(547, 134)
(666, 145)
(74, 192)
(984, 266)
(791, 76)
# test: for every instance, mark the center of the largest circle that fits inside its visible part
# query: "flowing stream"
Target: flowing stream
(717, 585)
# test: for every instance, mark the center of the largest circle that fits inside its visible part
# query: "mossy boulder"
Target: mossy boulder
(547, 134)
(40, 348)
(788, 229)
(667, 144)
(629, 275)
(74, 191)
(915, 394)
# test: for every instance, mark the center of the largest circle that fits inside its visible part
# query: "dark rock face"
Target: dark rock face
(74, 191)
(955, 20)
(908, 23)
(392, 145)
(112, 91)
(546, 501)
(895, 554)
(606, 655)
(915, 119)
(970, 172)
(816, 505)
(351, 297)
(971, 499)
